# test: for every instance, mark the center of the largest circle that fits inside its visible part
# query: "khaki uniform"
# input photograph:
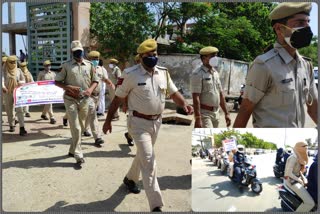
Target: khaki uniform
(113, 76)
(92, 119)
(77, 109)
(292, 170)
(25, 109)
(102, 98)
(9, 102)
(47, 75)
(146, 95)
(280, 86)
(207, 83)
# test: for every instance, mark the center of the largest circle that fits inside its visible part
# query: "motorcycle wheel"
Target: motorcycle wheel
(256, 188)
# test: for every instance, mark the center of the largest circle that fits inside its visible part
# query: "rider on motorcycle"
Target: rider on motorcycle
(312, 186)
(294, 178)
(238, 160)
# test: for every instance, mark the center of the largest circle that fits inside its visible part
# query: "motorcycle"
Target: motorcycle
(224, 163)
(290, 201)
(278, 170)
(249, 176)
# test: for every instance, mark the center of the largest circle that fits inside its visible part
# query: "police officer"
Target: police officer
(113, 76)
(47, 74)
(92, 119)
(238, 160)
(146, 85)
(281, 82)
(207, 92)
(77, 77)
(28, 78)
(102, 105)
(13, 78)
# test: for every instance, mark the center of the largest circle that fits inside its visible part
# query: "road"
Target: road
(212, 191)
(37, 174)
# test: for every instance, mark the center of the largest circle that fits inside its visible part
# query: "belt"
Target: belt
(146, 117)
(209, 108)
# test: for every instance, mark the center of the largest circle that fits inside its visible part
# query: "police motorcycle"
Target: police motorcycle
(278, 168)
(249, 176)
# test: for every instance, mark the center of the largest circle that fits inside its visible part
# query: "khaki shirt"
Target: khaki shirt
(20, 77)
(146, 92)
(46, 75)
(102, 75)
(293, 167)
(81, 75)
(115, 74)
(280, 85)
(207, 83)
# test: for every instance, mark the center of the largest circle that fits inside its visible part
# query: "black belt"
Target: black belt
(146, 117)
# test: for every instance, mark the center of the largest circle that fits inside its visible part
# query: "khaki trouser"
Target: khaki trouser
(231, 169)
(77, 111)
(210, 119)
(10, 110)
(102, 99)
(47, 108)
(25, 109)
(92, 119)
(144, 133)
(301, 191)
(111, 96)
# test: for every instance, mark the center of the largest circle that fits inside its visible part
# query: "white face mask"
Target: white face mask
(111, 66)
(213, 62)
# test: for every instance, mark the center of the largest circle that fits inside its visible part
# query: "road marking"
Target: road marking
(232, 209)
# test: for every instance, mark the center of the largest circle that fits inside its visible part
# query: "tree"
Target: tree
(311, 51)
(120, 27)
(239, 30)
(218, 138)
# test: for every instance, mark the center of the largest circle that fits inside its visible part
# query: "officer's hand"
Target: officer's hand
(228, 120)
(124, 108)
(72, 89)
(113, 86)
(198, 123)
(87, 93)
(188, 109)
(4, 90)
(107, 127)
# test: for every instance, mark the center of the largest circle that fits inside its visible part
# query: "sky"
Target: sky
(21, 17)
(279, 136)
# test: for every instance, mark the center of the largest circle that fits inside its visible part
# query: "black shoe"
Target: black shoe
(131, 185)
(129, 140)
(71, 155)
(115, 118)
(87, 134)
(22, 132)
(80, 161)
(27, 114)
(44, 117)
(99, 141)
(157, 209)
(100, 114)
(65, 122)
(52, 121)
(11, 129)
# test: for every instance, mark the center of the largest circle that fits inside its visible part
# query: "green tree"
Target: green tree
(311, 51)
(218, 138)
(120, 27)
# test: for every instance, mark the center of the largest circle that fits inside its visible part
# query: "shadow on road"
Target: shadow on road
(215, 172)
(109, 204)
(274, 209)
(175, 182)
(271, 180)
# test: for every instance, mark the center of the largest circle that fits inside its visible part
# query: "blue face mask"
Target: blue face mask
(78, 54)
(95, 62)
(150, 61)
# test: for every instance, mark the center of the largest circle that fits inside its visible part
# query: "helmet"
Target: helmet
(240, 148)
(289, 150)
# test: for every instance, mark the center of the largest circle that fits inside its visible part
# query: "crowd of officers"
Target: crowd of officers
(279, 85)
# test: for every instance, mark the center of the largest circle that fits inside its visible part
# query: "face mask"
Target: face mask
(111, 66)
(95, 62)
(78, 54)
(213, 62)
(301, 37)
(12, 66)
(150, 61)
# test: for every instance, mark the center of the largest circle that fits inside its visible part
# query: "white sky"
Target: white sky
(275, 135)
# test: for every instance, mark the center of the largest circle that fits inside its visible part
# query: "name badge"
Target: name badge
(287, 80)
(142, 83)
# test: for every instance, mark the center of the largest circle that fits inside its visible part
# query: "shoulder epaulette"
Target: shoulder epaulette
(307, 58)
(266, 56)
(161, 68)
(130, 69)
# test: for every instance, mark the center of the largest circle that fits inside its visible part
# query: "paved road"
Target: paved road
(38, 176)
(212, 191)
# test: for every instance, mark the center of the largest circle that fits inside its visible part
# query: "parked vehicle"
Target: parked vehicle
(224, 164)
(315, 71)
(249, 176)
(258, 152)
(278, 170)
